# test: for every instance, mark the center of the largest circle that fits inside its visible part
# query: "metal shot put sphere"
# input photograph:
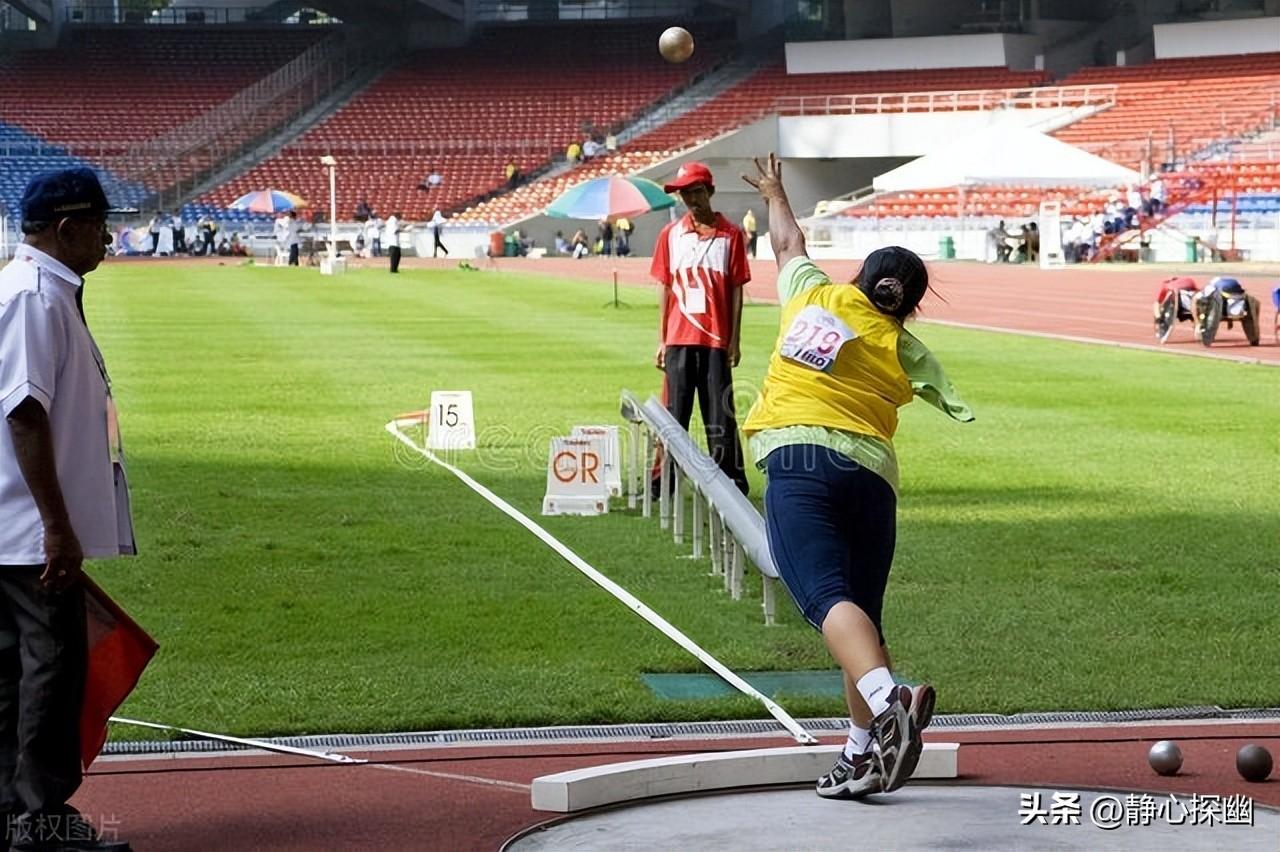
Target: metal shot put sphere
(1253, 762)
(1165, 758)
(675, 44)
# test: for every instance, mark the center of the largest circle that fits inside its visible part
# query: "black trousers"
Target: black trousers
(43, 659)
(393, 252)
(293, 255)
(439, 244)
(706, 373)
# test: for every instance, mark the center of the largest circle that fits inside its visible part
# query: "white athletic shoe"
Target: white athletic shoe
(851, 779)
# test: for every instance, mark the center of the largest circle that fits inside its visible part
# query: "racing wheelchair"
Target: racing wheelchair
(1181, 299)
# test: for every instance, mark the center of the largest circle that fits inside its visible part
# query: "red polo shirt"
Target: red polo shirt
(701, 273)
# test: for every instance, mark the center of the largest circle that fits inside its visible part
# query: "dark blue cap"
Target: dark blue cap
(65, 192)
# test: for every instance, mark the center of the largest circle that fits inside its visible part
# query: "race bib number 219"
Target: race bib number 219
(814, 338)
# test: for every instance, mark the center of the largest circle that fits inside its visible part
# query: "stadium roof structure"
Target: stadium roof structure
(1009, 155)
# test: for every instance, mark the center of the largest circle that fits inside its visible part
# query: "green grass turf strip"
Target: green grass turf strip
(1104, 536)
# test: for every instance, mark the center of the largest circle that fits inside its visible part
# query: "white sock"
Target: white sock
(875, 687)
(859, 742)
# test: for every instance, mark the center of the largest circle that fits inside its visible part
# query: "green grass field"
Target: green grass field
(1104, 536)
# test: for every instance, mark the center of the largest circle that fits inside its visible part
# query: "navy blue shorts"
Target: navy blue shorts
(832, 528)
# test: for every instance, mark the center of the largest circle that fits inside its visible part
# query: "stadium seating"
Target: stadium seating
(740, 105)
(1010, 202)
(24, 155)
(1196, 101)
(534, 197)
(519, 96)
(102, 89)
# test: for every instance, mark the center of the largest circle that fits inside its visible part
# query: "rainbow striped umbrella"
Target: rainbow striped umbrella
(610, 197)
(267, 201)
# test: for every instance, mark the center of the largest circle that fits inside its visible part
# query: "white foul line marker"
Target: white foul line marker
(635, 604)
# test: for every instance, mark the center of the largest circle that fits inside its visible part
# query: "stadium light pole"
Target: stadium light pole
(328, 160)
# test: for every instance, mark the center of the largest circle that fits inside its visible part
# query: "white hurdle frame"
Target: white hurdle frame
(727, 554)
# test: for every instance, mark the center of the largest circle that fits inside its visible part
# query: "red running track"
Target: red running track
(1101, 305)
(476, 797)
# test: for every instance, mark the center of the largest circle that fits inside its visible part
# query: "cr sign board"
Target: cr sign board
(575, 478)
(612, 459)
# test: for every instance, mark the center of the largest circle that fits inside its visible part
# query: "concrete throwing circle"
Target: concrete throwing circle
(916, 817)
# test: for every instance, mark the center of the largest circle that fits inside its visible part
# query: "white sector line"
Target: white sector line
(632, 602)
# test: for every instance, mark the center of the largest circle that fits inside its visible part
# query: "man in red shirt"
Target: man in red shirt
(701, 262)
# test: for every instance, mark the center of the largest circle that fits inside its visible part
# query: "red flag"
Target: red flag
(118, 652)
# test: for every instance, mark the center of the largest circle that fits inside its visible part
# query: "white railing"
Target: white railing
(1040, 97)
(549, 146)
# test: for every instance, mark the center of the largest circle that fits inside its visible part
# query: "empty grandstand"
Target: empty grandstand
(189, 105)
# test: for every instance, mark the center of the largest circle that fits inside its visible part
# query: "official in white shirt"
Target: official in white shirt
(63, 498)
(391, 240)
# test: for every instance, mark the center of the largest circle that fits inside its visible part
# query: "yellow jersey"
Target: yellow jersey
(835, 365)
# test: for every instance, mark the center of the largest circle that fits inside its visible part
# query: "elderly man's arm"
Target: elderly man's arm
(33, 447)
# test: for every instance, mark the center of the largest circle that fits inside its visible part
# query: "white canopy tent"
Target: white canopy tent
(1009, 155)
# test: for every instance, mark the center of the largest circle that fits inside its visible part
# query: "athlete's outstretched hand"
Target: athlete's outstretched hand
(768, 178)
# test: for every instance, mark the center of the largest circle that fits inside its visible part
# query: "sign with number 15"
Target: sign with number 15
(452, 421)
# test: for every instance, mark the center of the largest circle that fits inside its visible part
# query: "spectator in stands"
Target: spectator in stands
(363, 210)
(1113, 215)
(1134, 205)
(1155, 196)
(391, 240)
(573, 153)
(611, 140)
(998, 248)
(432, 180)
(604, 237)
(701, 262)
(580, 247)
(749, 228)
(63, 499)
(373, 235)
(562, 245)
(437, 233)
(1075, 241)
(622, 229)
(591, 149)
(512, 174)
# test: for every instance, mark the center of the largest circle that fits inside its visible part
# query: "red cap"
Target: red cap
(690, 174)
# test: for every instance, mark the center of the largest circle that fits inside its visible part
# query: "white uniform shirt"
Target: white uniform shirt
(391, 232)
(47, 353)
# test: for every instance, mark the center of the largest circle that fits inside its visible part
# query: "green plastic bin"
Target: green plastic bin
(947, 248)
(1191, 250)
